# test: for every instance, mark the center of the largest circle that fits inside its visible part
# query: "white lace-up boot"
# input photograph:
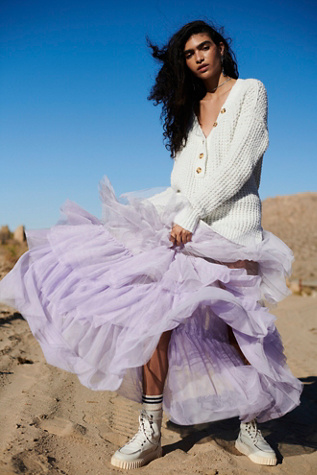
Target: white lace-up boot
(145, 445)
(251, 443)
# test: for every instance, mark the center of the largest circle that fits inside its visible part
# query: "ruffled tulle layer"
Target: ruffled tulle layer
(98, 294)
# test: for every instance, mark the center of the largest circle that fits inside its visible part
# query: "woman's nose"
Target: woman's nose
(199, 57)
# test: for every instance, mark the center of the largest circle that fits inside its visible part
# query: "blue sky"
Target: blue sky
(74, 80)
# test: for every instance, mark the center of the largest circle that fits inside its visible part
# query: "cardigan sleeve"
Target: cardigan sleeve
(248, 145)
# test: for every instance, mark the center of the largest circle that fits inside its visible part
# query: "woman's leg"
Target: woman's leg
(155, 371)
(250, 441)
(146, 444)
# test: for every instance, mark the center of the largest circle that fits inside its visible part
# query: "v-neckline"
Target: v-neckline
(223, 105)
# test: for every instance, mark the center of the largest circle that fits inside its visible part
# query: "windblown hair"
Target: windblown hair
(177, 89)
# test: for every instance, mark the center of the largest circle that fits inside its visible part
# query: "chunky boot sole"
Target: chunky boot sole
(256, 458)
(130, 464)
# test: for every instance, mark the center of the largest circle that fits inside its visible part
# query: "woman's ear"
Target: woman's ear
(221, 48)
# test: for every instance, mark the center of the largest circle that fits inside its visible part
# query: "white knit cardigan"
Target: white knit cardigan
(220, 174)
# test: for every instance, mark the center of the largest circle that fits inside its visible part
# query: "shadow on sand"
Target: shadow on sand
(293, 434)
(9, 317)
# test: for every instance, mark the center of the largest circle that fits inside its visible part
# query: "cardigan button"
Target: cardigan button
(201, 155)
(215, 124)
(223, 110)
(198, 170)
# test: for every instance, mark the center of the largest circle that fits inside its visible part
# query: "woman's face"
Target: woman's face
(202, 56)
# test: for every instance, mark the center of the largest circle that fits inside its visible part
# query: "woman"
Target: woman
(162, 297)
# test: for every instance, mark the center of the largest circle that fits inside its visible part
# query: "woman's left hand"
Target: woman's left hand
(180, 235)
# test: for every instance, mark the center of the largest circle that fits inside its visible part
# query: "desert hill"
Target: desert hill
(293, 219)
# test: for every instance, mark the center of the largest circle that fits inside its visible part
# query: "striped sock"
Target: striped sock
(152, 403)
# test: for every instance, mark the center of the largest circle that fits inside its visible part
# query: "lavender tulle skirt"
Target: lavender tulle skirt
(98, 294)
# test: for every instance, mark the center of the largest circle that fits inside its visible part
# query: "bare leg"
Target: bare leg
(146, 444)
(155, 371)
(250, 441)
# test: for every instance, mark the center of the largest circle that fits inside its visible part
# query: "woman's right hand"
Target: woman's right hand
(180, 235)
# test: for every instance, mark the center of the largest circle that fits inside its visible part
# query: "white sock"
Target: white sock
(152, 403)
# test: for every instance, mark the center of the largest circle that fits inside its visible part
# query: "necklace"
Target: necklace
(224, 82)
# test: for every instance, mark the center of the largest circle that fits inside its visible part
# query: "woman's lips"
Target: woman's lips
(203, 68)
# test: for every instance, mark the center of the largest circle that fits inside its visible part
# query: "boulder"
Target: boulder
(295, 287)
(19, 234)
(5, 234)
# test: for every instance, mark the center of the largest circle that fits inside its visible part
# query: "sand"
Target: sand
(50, 423)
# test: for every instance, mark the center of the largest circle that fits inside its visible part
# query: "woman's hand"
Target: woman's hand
(180, 235)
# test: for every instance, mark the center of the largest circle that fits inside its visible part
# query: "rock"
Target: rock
(19, 234)
(294, 287)
(5, 234)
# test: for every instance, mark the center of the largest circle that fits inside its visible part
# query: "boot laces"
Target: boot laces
(144, 433)
(253, 431)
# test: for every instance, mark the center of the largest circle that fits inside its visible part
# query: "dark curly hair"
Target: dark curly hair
(176, 88)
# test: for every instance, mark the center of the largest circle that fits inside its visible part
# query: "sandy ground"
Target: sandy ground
(50, 423)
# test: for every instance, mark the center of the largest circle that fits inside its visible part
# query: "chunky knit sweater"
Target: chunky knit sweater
(220, 174)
